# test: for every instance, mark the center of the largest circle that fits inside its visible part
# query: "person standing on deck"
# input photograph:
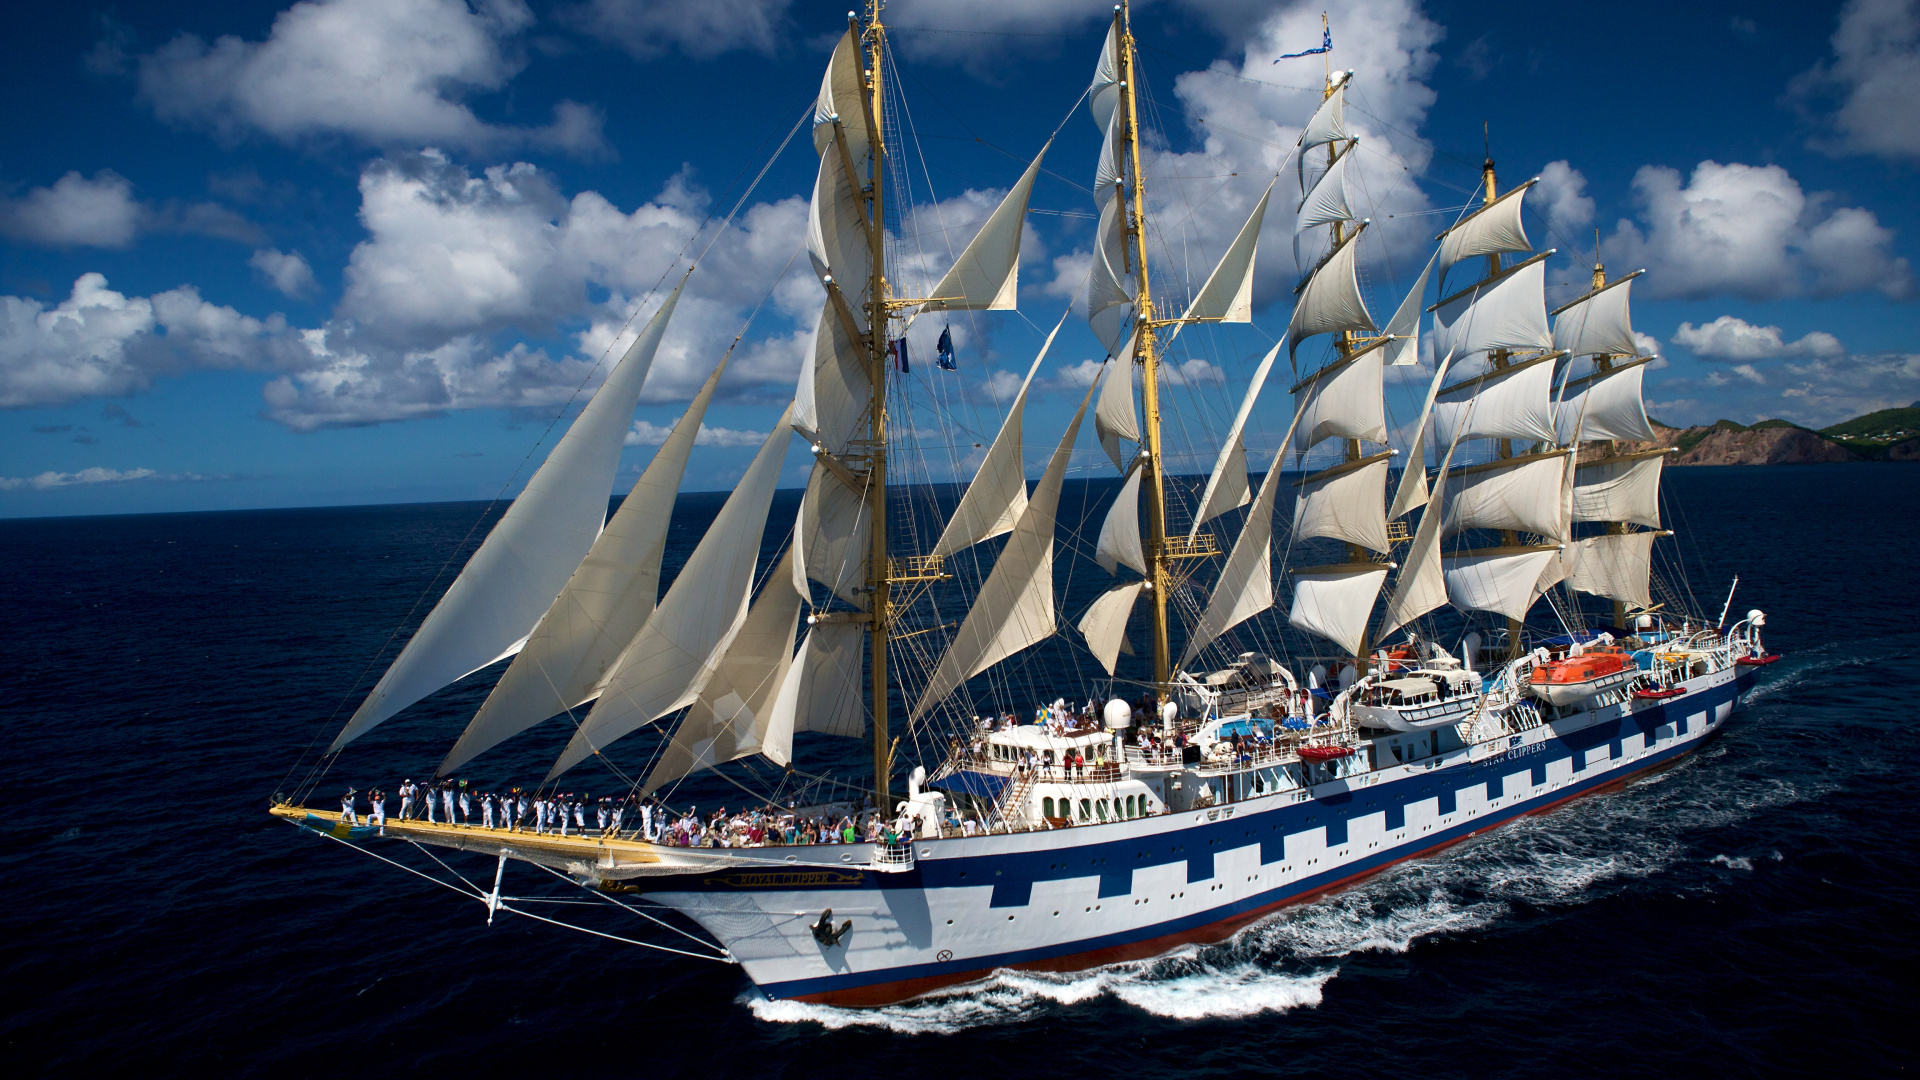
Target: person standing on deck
(406, 799)
(520, 817)
(486, 810)
(580, 813)
(466, 805)
(601, 815)
(347, 816)
(427, 796)
(446, 798)
(378, 799)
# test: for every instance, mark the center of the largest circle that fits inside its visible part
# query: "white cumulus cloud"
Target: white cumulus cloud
(1731, 338)
(1872, 81)
(382, 72)
(287, 271)
(75, 211)
(645, 433)
(48, 481)
(1751, 231)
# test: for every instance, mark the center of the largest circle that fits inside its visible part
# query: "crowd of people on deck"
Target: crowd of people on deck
(629, 817)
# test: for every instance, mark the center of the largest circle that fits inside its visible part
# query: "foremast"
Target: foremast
(879, 581)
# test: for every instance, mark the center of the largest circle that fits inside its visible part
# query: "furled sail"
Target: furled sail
(998, 494)
(1598, 323)
(826, 695)
(1328, 202)
(1227, 484)
(1508, 313)
(986, 276)
(1616, 566)
(604, 604)
(1113, 416)
(1105, 623)
(1227, 295)
(1331, 300)
(1404, 327)
(1624, 488)
(1245, 586)
(1119, 543)
(529, 556)
(1341, 401)
(1344, 503)
(1109, 286)
(1505, 403)
(1335, 601)
(834, 392)
(1525, 494)
(1494, 229)
(1015, 606)
(673, 656)
(733, 716)
(1502, 580)
(1605, 405)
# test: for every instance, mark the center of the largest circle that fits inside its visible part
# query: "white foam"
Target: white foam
(1733, 862)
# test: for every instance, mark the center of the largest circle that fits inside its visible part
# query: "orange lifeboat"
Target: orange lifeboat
(1577, 678)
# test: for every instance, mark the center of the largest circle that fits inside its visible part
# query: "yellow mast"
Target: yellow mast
(1499, 358)
(1158, 578)
(879, 591)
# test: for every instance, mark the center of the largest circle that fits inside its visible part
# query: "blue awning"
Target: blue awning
(986, 785)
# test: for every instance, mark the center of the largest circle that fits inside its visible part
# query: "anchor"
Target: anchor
(825, 934)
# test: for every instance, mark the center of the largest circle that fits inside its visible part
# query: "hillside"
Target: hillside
(1890, 433)
(1769, 442)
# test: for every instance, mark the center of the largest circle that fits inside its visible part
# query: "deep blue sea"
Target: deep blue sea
(1751, 912)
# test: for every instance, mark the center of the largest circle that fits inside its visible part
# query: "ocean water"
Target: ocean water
(1750, 912)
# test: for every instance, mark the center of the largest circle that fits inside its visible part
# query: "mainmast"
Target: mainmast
(1157, 553)
(879, 585)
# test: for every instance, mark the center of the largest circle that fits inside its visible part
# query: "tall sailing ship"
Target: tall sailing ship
(1199, 789)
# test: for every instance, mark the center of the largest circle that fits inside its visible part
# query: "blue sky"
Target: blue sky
(366, 250)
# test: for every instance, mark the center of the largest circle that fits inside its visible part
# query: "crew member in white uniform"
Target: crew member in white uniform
(379, 816)
(466, 806)
(486, 810)
(406, 799)
(446, 799)
(346, 809)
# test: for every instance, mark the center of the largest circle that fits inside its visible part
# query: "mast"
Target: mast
(1498, 359)
(1157, 552)
(1343, 342)
(879, 590)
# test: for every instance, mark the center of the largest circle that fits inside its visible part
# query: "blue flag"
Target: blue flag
(1326, 45)
(945, 350)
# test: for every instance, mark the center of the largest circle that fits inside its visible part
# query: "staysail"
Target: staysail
(998, 494)
(528, 557)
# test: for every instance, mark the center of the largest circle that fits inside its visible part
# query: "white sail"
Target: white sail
(831, 534)
(1605, 405)
(733, 715)
(1506, 581)
(1227, 484)
(1413, 479)
(1103, 95)
(604, 604)
(1598, 323)
(1113, 416)
(1245, 586)
(986, 276)
(827, 696)
(1227, 295)
(837, 231)
(1119, 543)
(1615, 566)
(1108, 169)
(1404, 327)
(1510, 403)
(1345, 503)
(998, 494)
(527, 559)
(1105, 623)
(1526, 495)
(833, 394)
(1331, 301)
(842, 90)
(1335, 601)
(1327, 202)
(1015, 606)
(670, 660)
(1511, 313)
(1341, 401)
(1625, 488)
(1329, 123)
(1421, 585)
(1109, 286)
(1492, 230)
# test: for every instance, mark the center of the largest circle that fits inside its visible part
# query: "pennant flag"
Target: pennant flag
(945, 350)
(897, 349)
(1326, 45)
